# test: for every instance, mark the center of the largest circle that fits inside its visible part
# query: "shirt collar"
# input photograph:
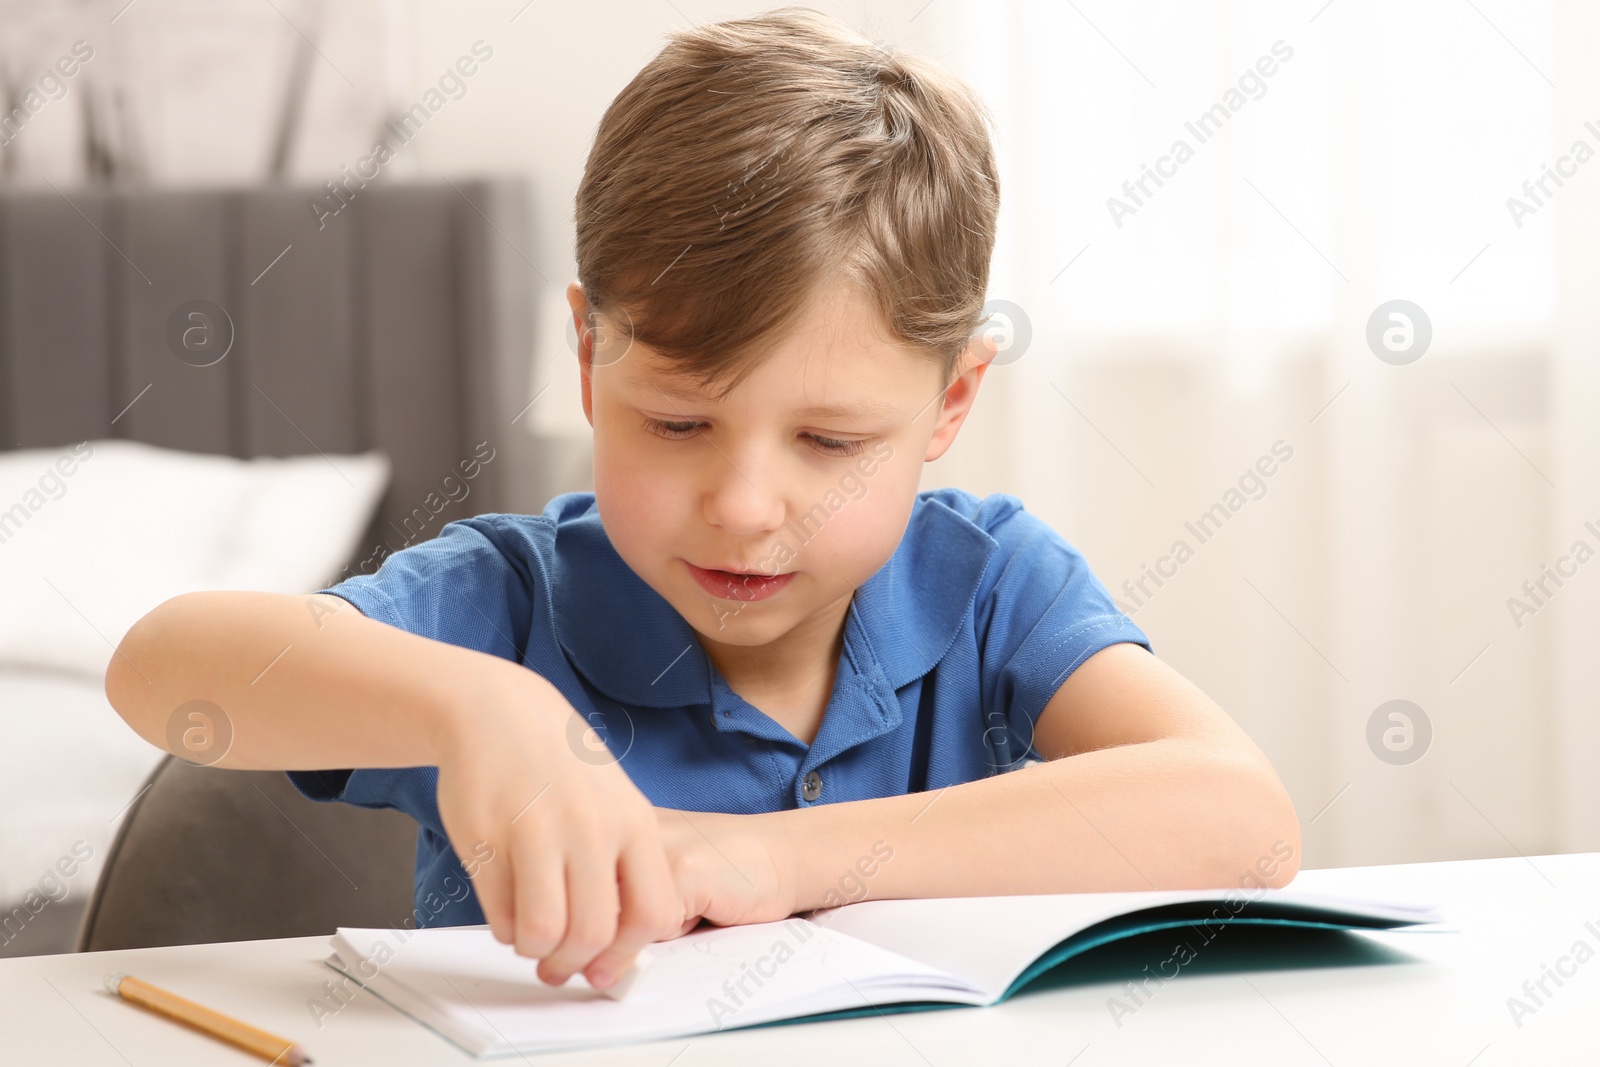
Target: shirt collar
(632, 645)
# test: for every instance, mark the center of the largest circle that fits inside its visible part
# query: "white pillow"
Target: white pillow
(94, 535)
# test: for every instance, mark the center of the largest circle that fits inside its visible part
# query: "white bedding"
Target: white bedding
(94, 535)
(68, 768)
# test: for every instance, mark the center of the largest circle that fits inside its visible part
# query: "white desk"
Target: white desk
(1441, 998)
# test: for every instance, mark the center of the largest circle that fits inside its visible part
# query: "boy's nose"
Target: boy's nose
(743, 498)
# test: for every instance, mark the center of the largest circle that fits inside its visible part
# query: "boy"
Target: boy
(756, 671)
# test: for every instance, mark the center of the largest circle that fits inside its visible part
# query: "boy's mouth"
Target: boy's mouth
(735, 585)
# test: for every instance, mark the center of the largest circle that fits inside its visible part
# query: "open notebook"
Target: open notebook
(876, 955)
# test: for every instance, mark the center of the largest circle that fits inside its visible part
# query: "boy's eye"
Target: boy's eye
(671, 429)
(677, 431)
(838, 447)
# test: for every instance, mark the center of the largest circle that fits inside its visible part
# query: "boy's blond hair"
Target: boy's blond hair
(753, 161)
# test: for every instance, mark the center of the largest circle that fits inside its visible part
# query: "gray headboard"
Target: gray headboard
(401, 322)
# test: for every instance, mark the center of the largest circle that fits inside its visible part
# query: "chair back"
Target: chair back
(206, 854)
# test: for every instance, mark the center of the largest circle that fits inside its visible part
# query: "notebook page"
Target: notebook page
(482, 995)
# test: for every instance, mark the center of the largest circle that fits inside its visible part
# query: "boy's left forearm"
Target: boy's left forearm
(1165, 814)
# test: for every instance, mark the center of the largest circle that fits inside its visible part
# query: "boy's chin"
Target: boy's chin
(727, 622)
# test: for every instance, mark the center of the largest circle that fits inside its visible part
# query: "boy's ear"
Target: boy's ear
(963, 390)
(580, 323)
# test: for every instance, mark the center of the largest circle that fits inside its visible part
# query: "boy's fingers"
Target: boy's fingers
(591, 913)
(539, 896)
(650, 909)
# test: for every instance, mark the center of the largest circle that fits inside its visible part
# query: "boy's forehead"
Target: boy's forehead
(837, 348)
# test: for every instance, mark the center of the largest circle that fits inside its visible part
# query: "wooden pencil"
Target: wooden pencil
(213, 1023)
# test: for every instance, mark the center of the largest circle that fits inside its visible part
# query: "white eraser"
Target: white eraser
(619, 989)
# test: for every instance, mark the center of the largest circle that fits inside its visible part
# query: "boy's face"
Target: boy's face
(807, 470)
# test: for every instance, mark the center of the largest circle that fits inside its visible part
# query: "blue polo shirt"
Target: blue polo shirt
(951, 651)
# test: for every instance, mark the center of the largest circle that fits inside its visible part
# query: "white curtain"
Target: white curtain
(1340, 156)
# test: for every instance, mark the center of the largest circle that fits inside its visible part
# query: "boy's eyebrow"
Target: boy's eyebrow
(866, 409)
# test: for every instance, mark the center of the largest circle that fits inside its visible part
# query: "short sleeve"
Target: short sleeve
(1043, 615)
(472, 585)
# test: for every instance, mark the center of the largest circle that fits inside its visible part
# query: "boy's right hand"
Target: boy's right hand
(578, 877)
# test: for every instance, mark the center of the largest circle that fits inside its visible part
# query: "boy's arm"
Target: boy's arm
(578, 880)
(1149, 785)
(304, 682)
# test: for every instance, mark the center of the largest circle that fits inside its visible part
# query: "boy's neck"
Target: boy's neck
(789, 679)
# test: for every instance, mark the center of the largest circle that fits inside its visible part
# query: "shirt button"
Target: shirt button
(811, 788)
